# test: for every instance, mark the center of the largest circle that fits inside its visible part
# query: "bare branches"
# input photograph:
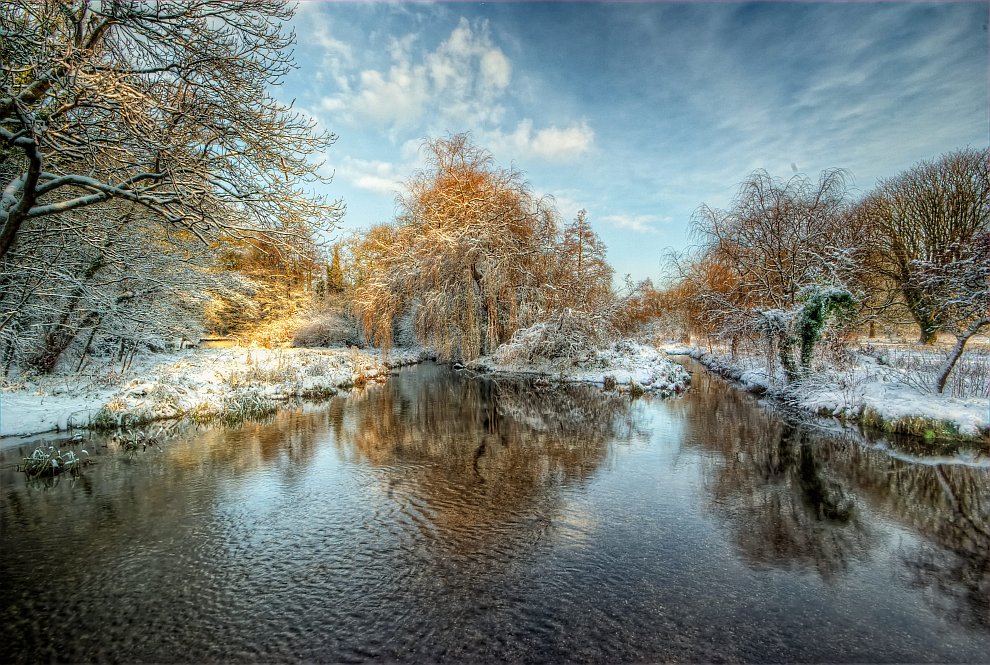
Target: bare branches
(161, 103)
(920, 223)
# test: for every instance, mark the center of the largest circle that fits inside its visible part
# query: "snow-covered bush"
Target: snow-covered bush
(332, 328)
(800, 329)
(569, 337)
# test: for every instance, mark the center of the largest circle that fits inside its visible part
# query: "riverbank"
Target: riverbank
(206, 385)
(625, 365)
(868, 392)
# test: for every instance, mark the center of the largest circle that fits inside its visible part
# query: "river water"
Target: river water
(445, 518)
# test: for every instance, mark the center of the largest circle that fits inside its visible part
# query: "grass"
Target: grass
(114, 415)
(234, 410)
(52, 462)
(929, 429)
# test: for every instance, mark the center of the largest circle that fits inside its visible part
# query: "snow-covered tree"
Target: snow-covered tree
(471, 256)
(918, 224)
(91, 283)
(957, 285)
(140, 147)
(163, 103)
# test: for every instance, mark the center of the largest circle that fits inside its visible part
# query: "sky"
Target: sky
(639, 112)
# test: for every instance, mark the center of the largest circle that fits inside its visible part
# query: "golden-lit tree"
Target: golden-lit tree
(585, 279)
(470, 258)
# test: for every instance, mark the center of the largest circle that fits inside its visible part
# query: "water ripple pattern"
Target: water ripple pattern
(441, 518)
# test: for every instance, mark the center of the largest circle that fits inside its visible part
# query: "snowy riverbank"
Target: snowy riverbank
(625, 365)
(869, 392)
(204, 384)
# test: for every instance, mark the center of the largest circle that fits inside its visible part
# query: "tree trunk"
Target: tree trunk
(928, 326)
(957, 349)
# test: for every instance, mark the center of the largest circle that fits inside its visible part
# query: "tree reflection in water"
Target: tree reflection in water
(478, 456)
(792, 496)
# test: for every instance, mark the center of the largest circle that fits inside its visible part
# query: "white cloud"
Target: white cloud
(496, 69)
(555, 144)
(635, 223)
(373, 176)
(458, 85)
(398, 96)
(550, 143)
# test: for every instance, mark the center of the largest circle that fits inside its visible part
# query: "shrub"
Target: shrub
(569, 335)
(52, 462)
(332, 328)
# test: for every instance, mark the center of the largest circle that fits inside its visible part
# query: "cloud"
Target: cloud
(459, 84)
(398, 96)
(371, 175)
(635, 223)
(550, 143)
(555, 144)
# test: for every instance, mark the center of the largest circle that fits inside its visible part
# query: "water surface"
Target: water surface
(444, 518)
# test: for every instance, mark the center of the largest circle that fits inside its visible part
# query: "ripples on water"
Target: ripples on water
(441, 518)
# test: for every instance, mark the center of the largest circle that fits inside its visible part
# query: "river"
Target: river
(446, 518)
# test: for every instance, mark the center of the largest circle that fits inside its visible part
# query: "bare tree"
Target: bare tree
(779, 236)
(585, 281)
(163, 103)
(918, 223)
(958, 285)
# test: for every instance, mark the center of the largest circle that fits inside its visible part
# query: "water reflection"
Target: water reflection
(794, 496)
(445, 518)
(477, 458)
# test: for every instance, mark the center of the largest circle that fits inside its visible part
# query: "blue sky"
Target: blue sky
(640, 112)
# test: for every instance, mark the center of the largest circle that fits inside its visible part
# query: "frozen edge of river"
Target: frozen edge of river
(867, 394)
(200, 383)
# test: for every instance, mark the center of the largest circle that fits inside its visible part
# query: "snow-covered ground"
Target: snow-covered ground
(868, 391)
(198, 382)
(624, 364)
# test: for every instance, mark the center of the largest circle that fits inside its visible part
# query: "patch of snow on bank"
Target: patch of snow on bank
(625, 361)
(852, 391)
(163, 386)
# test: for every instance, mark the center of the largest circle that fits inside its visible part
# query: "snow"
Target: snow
(851, 392)
(24, 413)
(169, 385)
(626, 361)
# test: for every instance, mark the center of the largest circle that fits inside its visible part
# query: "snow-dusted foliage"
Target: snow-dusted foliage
(224, 385)
(97, 286)
(872, 392)
(568, 337)
(798, 331)
(332, 327)
(474, 255)
(575, 348)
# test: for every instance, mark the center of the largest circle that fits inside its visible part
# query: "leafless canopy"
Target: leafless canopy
(164, 103)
